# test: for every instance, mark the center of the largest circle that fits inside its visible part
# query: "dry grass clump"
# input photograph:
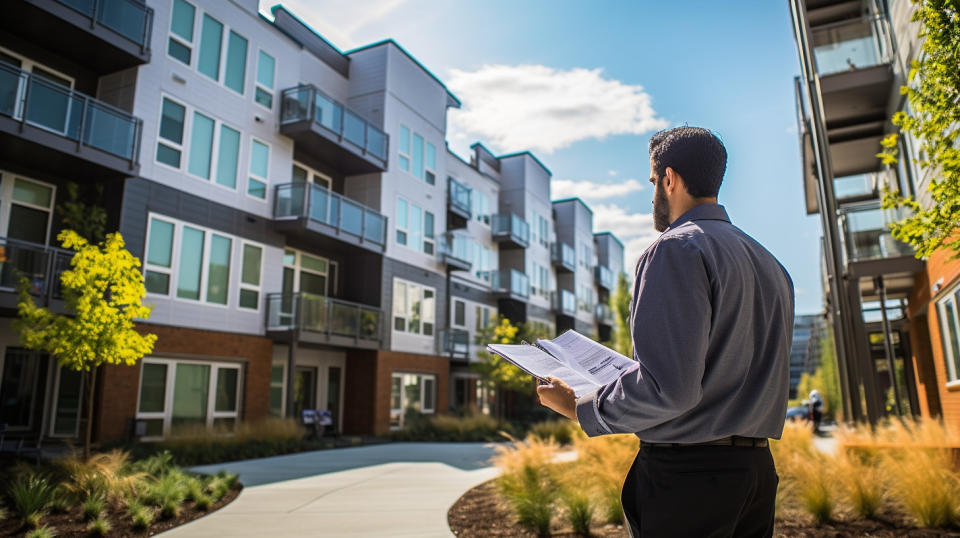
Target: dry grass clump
(106, 476)
(862, 481)
(603, 463)
(528, 481)
(813, 486)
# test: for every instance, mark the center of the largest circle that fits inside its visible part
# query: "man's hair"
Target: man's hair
(695, 153)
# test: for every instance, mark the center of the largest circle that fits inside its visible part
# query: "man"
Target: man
(712, 319)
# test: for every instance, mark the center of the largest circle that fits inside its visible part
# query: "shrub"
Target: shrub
(862, 481)
(924, 483)
(196, 445)
(526, 481)
(170, 509)
(448, 428)
(99, 526)
(142, 518)
(560, 430)
(93, 507)
(203, 502)
(169, 487)
(813, 486)
(62, 501)
(107, 475)
(31, 495)
(156, 465)
(579, 512)
(42, 532)
(603, 462)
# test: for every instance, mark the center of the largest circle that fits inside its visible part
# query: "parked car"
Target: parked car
(798, 412)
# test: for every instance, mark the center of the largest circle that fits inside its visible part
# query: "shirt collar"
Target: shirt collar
(702, 212)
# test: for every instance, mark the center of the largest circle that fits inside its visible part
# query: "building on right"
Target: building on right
(893, 316)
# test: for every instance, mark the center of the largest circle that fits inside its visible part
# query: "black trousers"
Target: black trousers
(700, 491)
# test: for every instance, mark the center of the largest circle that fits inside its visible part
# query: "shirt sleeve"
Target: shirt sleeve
(671, 329)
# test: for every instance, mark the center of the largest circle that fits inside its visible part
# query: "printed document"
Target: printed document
(580, 362)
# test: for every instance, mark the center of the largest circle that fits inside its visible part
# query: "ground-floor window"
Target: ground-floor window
(178, 395)
(950, 330)
(411, 394)
(20, 373)
(277, 398)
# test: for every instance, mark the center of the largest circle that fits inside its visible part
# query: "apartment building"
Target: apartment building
(892, 314)
(808, 334)
(308, 241)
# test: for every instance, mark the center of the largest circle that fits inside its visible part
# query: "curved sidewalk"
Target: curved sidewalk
(395, 489)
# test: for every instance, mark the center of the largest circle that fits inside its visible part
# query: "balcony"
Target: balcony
(454, 251)
(511, 284)
(455, 343)
(323, 320)
(103, 35)
(604, 277)
(564, 257)
(64, 131)
(332, 132)
(510, 231)
(869, 246)
(314, 212)
(41, 265)
(458, 204)
(604, 314)
(564, 302)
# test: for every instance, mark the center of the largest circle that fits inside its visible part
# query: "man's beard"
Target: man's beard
(661, 210)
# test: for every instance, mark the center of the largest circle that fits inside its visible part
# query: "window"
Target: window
(195, 264)
(950, 329)
(175, 394)
(259, 164)
(484, 263)
(228, 156)
(411, 393)
(170, 145)
(266, 66)
(481, 207)
(250, 277)
(305, 273)
(430, 170)
(235, 73)
(180, 43)
(201, 145)
(585, 297)
(417, 168)
(459, 313)
(414, 308)
(211, 41)
(403, 153)
(483, 317)
(415, 227)
(277, 397)
(26, 209)
(543, 225)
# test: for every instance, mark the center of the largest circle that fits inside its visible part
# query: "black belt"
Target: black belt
(733, 440)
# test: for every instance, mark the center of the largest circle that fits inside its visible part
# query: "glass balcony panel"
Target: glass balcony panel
(376, 142)
(51, 106)
(369, 324)
(855, 186)
(569, 254)
(351, 218)
(321, 203)
(327, 112)
(12, 83)
(345, 319)
(519, 283)
(847, 47)
(568, 301)
(108, 130)
(520, 228)
(289, 200)
(315, 313)
(459, 194)
(83, 6)
(126, 18)
(354, 128)
(867, 233)
(296, 104)
(373, 229)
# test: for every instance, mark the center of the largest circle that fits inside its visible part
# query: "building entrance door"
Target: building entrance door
(304, 389)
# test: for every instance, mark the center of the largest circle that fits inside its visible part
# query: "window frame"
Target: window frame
(226, 59)
(257, 85)
(408, 313)
(454, 323)
(251, 175)
(8, 182)
(951, 363)
(241, 285)
(428, 237)
(186, 149)
(402, 410)
(167, 142)
(188, 44)
(409, 155)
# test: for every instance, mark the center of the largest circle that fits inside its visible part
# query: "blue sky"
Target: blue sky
(585, 84)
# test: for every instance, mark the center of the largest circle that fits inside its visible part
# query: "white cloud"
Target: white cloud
(338, 21)
(539, 108)
(589, 190)
(612, 173)
(634, 229)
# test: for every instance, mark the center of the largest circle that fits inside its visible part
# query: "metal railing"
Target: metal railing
(456, 246)
(512, 281)
(455, 342)
(563, 254)
(510, 225)
(604, 276)
(604, 313)
(307, 102)
(324, 315)
(866, 232)
(130, 19)
(40, 265)
(851, 44)
(34, 100)
(327, 207)
(458, 195)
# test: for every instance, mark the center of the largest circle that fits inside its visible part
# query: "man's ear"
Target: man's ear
(670, 179)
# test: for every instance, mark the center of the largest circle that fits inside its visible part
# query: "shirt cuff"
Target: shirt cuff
(588, 414)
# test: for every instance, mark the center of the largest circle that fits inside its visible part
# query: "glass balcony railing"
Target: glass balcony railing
(324, 315)
(604, 277)
(128, 18)
(40, 265)
(511, 226)
(866, 233)
(455, 342)
(307, 102)
(456, 246)
(862, 186)
(458, 196)
(604, 314)
(851, 45)
(36, 101)
(564, 255)
(511, 281)
(327, 207)
(566, 302)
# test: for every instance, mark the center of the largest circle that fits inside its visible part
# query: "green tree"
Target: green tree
(103, 291)
(88, 220)
(825, 379)
(933, 90)
(496, 369)
(620, 302)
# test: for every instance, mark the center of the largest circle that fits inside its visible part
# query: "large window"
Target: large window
(214, 39)
(184, 395)
(481, 206)
(266, 67)
(26, 208)
(170, 143)
(415, 227)
(417, 156)
(950, 332)
(235, 72)
(414, 308)
(259, 166)
(211, 44)
(192, 263)
(180, 42)
(411, 394)
(214, 147)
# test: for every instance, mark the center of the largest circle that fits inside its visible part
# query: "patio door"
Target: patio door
(68, 398)
(20, 382)
(304, 389)
(51, 104)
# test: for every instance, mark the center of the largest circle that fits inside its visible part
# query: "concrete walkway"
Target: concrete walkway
(395, 489)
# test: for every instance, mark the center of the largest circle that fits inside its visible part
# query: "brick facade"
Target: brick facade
(119, 385)
(389, 362)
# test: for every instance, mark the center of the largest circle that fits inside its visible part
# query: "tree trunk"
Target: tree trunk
(92, 385)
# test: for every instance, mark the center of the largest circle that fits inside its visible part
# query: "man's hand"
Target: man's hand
(559, 397)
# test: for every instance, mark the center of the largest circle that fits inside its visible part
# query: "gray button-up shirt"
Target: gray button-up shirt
(712, 321)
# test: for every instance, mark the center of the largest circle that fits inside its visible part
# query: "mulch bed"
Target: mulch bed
(72, 524)
(481, 511)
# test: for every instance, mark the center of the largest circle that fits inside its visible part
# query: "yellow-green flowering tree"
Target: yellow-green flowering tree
(495, 368)
(103, 291)
(620, 302)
